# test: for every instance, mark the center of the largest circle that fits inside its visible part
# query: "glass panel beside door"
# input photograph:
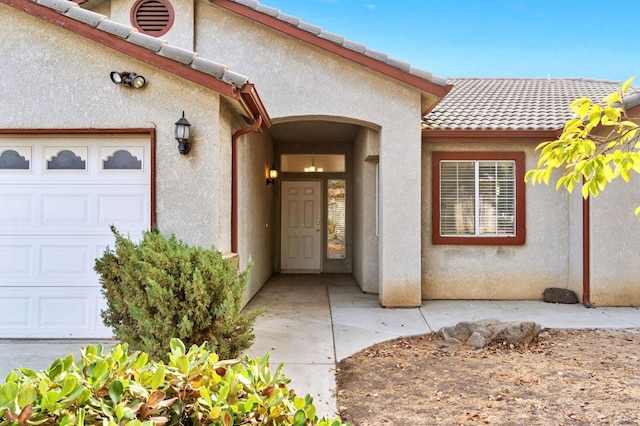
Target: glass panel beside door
(336, 219)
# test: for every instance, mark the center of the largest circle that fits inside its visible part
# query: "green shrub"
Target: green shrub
(161, 288)
(119, 389)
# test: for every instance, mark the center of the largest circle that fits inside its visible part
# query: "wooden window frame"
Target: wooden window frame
(520, 232)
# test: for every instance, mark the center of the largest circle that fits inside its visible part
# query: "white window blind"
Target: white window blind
(477, 198)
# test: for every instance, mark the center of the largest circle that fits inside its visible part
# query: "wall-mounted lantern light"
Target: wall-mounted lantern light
(129, 79)
(183, 131)
(273, 175)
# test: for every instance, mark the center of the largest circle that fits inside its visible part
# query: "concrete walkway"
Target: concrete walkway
(314, 321)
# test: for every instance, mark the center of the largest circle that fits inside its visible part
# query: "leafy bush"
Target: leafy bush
(161, 288)
(119, 389)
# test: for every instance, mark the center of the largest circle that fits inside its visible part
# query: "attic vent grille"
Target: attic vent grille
(152, 17)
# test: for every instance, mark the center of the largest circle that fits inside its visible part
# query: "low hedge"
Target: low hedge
(116, 388)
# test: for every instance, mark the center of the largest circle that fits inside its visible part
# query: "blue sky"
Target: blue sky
(489, 38)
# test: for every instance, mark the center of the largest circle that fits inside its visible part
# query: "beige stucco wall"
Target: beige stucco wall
(503, 272)
(61, 80)
(365, 159)
(615, 244)
(296, 79)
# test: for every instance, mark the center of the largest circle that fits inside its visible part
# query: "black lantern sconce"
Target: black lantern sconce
(128, 79)
(183, 131)
(273, 175)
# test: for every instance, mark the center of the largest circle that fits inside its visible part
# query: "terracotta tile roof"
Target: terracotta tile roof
(341, 41)
(514, 104)
(153, 44)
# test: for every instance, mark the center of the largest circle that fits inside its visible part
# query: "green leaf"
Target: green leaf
(10, 390)
(595, 114)
(625, 175)
(67, 362)
(28, 372)
(300, 418)
(80, 417)
(141, 360)
(65, 420)
(26, 396)
(638, 211)
(585, 190)
(177, 347)
(116, 389)
(69, 384)
(117, 352)
(84, 396)
(55, 369)
(158, 377)
(100, 369)
(119, 412)
(627, 83)
(52, 396)
(182, 362)
(580, 106)
(299, 403)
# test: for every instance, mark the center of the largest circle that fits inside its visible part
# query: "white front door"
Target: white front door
(301, 224)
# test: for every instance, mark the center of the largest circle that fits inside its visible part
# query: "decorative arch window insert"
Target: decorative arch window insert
(15, 158)
(478, 198)
(66, 158)
(122, 158)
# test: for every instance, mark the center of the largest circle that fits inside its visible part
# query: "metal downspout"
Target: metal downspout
(257, 122)
(586, 253)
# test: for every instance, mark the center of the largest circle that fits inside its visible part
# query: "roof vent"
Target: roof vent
(152, 17)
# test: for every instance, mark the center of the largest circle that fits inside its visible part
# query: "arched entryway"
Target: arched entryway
(319, 192)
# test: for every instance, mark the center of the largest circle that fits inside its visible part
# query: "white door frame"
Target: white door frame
(301, 227)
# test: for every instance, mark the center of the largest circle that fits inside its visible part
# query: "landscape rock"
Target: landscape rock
(559, 295)
(481, 333)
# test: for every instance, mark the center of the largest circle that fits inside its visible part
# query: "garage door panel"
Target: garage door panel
(38, 260)
(16, 210)
(52, 313)
(65, 208)
(129, 209)
(63, 310)
(15, 260)
(15, 312)
(63, 260)
(85, 210)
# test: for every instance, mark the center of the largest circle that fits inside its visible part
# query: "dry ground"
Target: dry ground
(566, 377)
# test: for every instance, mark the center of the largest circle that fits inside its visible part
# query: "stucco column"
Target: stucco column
(400, 215)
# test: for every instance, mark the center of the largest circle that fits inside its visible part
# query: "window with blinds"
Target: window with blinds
(477, 198)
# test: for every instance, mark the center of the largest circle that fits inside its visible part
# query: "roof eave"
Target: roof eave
(114, 42)
(632, 101)
(359, 58)
(492, 133)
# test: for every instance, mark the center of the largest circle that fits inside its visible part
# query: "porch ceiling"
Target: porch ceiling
(313, 132)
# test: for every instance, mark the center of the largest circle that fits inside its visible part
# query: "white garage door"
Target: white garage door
(58, 196)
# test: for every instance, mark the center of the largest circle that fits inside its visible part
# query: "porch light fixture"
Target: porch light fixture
(273, 175)
(313, 168)
(128, 79)
(183, 131)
